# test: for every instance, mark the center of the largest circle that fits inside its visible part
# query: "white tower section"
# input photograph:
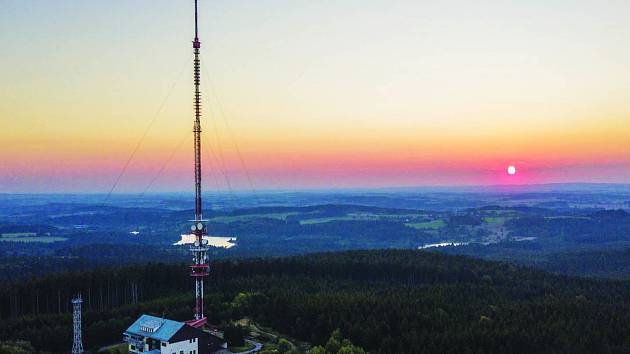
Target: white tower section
(77, 345)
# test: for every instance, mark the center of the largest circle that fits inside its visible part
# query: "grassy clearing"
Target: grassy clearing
(247, 346)
(270, 338)
(228, 219)
(496, 220)
(360, 217)
(44, 239)
(427, 225)
(19, 234)
(506, 212)
(122, 348)
(329, 219)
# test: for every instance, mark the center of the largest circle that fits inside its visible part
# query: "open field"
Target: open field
(43, 239)
(18, 234)
(363, 217)
(329, 219)
(235, 218)
(495, 220)
(427, 225)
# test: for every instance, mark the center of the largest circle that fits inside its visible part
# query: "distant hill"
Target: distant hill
(541, 187)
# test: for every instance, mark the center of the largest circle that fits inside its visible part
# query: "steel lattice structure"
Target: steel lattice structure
(199, 250)
(77, 344)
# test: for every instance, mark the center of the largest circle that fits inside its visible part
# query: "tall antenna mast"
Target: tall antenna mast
(199, 250)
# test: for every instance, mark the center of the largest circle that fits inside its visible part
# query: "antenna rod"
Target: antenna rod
(196, 32)
(197, 124)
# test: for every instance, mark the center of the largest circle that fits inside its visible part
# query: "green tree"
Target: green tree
(16, 347)
(234, 335)
(284, 346)
(334, 342)
(351, 349)
(317, 350)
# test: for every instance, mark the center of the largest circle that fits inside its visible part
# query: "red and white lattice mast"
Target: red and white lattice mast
(199, 249)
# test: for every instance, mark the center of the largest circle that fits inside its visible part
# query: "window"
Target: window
(164, 344)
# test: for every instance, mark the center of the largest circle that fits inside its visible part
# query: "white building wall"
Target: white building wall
(185, 346)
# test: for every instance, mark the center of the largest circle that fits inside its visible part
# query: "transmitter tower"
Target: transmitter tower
(199, 249)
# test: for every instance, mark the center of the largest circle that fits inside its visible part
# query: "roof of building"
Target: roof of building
(155, 327)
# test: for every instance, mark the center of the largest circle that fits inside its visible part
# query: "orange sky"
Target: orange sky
(325, 95)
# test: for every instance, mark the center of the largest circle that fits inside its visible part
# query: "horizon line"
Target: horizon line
(341, 189)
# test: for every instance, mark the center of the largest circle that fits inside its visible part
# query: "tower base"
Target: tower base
(197, 323)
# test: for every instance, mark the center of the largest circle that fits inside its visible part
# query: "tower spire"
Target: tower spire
(196, 28)
(197, 123)
(199, 250)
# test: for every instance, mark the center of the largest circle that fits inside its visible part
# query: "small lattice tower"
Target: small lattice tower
(77, 344)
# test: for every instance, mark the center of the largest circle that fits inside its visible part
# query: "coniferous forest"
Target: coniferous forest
(385, 301)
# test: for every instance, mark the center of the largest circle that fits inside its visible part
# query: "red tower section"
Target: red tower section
(199, 270)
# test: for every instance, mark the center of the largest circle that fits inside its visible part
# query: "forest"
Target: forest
(381, 300)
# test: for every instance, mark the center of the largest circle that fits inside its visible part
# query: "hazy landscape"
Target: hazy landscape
(532, 225)
(314, 177)
(53, 245)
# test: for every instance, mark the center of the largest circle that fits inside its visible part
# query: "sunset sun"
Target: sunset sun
(511, 170)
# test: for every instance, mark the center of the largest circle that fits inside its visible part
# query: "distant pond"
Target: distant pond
(215, 241)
